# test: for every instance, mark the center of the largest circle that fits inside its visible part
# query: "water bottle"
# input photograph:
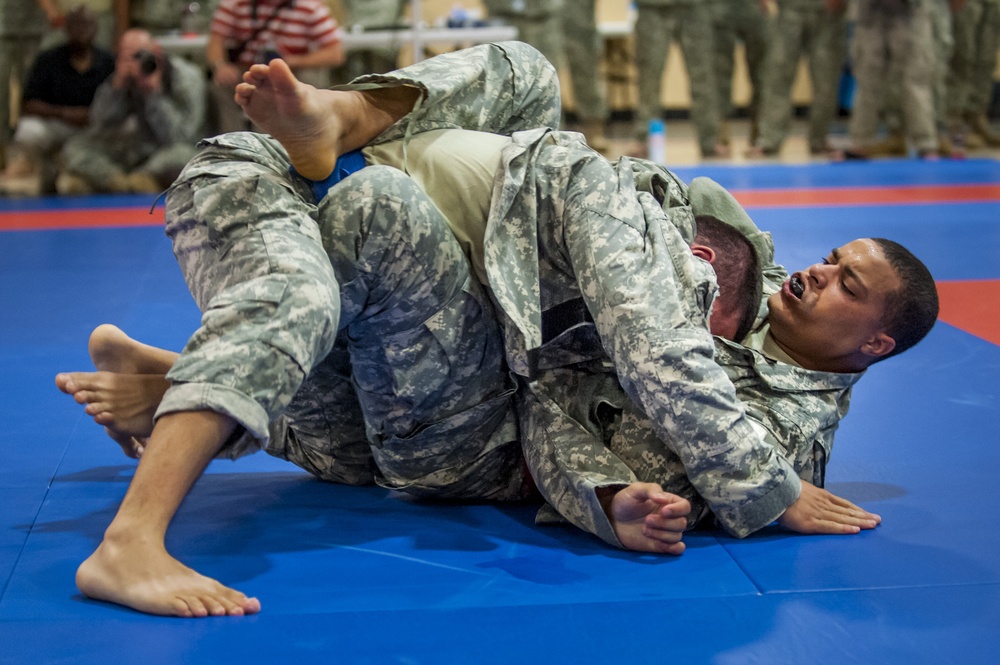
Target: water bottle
(656, 141)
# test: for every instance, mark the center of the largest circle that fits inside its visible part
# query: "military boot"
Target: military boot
(980, 124)
(893, 145)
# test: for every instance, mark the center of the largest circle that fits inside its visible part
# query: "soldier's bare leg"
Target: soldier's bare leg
(131, 566)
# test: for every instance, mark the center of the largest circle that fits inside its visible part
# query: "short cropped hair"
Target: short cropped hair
(912, 309)
(737, 269)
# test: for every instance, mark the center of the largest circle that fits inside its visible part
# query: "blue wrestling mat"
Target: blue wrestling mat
(361, 575)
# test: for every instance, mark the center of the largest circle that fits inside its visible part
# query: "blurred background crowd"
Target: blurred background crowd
(113, 95)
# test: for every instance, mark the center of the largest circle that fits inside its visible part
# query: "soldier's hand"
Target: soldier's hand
(647, 519)
(819, 511)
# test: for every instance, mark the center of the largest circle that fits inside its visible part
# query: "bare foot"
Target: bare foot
(145, 577)
(124, 393)
(112, 350)
(300, 116)
(124, 403)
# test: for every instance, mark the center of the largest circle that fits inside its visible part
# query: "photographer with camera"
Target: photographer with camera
(145, 121)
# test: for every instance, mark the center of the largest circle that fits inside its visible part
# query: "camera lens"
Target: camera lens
(147, 62)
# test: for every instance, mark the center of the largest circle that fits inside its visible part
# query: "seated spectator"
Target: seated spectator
(244, 32)
(55, 104)
(144, 123)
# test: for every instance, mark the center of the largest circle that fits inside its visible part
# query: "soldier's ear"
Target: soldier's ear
(703, 252)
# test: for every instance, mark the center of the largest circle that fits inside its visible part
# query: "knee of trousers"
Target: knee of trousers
(390, 247)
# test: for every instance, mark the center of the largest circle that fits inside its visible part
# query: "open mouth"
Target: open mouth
(796, 286)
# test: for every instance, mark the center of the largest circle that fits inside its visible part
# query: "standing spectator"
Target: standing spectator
(893, 41)
(144, 123)
(22, 24)
(155, 16)
(56, 102)
(659, 23)
(894, 144)
(370, 14)
(750, 22)
(301, 32)
(538, 22)
(583, 57)
(102, 10)
(817, 29)
(977, 38)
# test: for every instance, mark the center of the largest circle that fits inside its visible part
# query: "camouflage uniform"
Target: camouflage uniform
(126, 134)
(22, 24)
(893, 41)
(565, 224)
(803, 26)
(538, 22)
(977, 38)
(658, 23)
(583, 48)
(350, 337)
(745, 21)
(586, 434)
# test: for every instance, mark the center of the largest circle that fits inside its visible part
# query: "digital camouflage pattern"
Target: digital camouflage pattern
(690, 23)
(803, 27)
(977, 38)
(893, 41)
(277, 277)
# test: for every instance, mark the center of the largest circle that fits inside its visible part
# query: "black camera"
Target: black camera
(147, 62)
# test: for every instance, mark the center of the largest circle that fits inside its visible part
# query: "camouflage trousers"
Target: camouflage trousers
(893, 45)
(362, 309)
(350, 336)
(977, 37)
(691, 26)
(821, 34)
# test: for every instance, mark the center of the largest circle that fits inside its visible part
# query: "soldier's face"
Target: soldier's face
(830, 316)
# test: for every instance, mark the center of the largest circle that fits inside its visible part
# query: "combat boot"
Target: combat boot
(980, 125)
(893, 145)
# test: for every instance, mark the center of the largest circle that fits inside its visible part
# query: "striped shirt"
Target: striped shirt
(295, 27)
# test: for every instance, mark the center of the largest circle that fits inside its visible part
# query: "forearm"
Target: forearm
(649, 298)
(571, 467)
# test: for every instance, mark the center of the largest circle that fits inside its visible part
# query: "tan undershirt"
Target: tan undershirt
(762, 340)
(457, 169)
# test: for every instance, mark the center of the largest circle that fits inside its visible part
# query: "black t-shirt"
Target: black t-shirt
(53, 79)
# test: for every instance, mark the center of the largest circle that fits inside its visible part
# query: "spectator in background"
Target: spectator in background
(689, 22)
(22, 24)
(55, 104)
(583, 48)
(155, 16)
(103, 12)
(144, 123)
(538, 22)
(370, 15)
(818, 30)
(970, 85)
(301, 32)
(893, 41)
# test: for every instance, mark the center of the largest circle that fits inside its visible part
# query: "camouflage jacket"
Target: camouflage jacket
(583, 433)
